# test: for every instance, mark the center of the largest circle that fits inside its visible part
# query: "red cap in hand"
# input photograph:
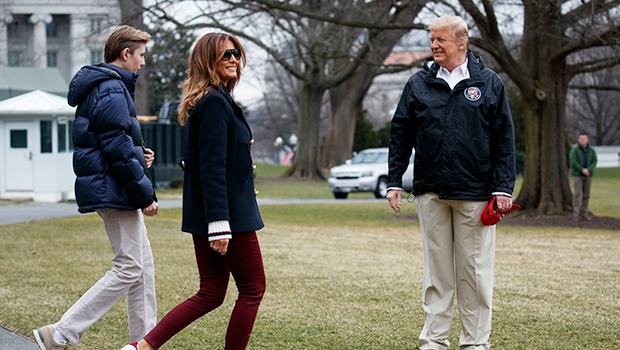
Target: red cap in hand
(490, 215)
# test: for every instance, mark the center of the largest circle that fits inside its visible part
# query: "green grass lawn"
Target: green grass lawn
(605, 192)
(270, 187)
(341, 276)
(603, 196)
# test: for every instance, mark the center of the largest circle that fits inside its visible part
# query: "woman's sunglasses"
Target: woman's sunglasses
(229, 53)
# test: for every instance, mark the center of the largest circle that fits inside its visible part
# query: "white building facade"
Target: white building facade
(38, 37)
(66, 34)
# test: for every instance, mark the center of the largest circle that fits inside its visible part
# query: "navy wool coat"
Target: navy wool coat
(108, 159)
(218, 182)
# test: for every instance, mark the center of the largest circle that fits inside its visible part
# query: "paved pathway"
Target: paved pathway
(10, 214)
(13, 341)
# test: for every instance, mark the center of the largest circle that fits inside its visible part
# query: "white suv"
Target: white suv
(366, 172)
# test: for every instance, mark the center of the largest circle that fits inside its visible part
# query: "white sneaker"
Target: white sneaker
(132, 346)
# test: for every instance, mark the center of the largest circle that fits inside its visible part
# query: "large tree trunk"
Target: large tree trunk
(131, 14)
(346, 102)
(545, 190)
(347, 98)
(305, 162)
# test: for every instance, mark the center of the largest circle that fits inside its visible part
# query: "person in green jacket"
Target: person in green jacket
(582, 163)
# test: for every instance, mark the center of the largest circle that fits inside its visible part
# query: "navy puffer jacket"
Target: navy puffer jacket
(108, 158)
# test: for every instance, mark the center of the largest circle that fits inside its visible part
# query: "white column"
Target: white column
(80, 53)
(39, 42)
(4, 45)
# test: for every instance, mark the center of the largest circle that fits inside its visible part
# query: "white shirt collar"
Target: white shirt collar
(459, 73)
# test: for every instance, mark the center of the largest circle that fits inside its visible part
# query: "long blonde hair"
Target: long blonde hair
(203, 72)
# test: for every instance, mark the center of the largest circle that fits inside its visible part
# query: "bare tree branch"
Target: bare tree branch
(595, 87)
(484, 45)
(303, 12)
(493, 42)
(396, 68)
(587, 9)
(593, 65)
(474, 12)
(274, 53)
(606, 38)
(448, 5)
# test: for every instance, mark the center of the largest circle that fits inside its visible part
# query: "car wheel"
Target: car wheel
(340, 195)
(381, 191)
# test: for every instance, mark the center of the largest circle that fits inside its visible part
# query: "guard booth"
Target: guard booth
(36, 148)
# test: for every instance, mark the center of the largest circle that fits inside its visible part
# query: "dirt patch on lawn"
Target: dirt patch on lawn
(597, 222)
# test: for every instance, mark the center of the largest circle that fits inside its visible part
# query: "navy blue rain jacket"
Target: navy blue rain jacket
(108, 158)
(463, 138)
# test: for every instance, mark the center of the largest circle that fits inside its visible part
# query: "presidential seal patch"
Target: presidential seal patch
(473, 93)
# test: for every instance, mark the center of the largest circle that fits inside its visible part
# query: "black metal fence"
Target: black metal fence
(167, 141)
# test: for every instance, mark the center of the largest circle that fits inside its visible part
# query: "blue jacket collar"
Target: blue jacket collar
(475, 65)
(127, 77)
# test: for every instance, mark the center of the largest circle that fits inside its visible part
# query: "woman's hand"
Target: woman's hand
(220, 245)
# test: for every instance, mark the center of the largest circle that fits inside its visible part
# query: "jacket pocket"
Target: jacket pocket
(244, 161)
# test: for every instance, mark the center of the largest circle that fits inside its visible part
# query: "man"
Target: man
(110, 164)
(455, 113)
(582, 163)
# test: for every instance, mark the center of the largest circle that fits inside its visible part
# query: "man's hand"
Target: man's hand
(151, 210)
(503, 203)
(394, 197)
(149, 157)
(585, 172)
(220, 245)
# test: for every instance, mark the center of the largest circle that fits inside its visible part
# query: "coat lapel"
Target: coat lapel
(236, 108)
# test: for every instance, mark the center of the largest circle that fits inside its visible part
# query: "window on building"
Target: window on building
(95, 25)
(96, 56)
(19, 138)
(65, 135)
(51, 29)
(46, 136)
(13, 30)
(70, 127)
(52, 59)
(15, 58)
(62, 137)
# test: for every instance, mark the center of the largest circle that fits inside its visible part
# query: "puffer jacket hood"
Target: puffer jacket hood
(89, 77)
(108, 159)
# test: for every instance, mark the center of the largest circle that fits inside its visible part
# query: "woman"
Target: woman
(219, 204)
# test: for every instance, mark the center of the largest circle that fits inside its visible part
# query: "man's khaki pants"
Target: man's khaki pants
(456, 245)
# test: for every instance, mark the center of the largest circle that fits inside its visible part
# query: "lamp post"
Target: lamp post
(276, 154)
(293, 140)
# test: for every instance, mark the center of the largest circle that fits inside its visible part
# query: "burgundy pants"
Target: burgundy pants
(245, 262)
